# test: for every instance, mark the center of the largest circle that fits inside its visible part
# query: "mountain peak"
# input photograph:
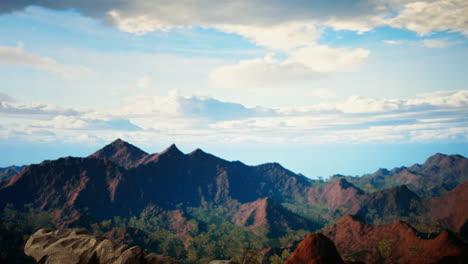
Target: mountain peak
(172, 150)
(118, 142)
(120, 152)
(197, 152)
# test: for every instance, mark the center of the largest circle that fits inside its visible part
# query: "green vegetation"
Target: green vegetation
(15, 228)
(205, 236)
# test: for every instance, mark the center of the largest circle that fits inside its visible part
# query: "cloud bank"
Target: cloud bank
(433, 117)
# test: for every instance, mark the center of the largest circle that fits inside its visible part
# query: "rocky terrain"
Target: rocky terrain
(190, 205)
(315, 249)
(398, 242)
(77, 246)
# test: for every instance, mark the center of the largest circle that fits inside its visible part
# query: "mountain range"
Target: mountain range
(184, 192)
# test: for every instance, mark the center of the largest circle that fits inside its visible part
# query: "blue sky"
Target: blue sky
(322, 87)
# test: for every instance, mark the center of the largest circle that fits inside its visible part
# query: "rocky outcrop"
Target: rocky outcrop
(315, 249)
(337, 195)
(393, 243)
(450, 209)
(77, 246)
(267, 214)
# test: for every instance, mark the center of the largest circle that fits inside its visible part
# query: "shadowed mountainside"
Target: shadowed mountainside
(393, 243)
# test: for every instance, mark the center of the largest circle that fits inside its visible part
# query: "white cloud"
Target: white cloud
(138, 25)
(433, 117)
(322, 58)
(17, 56)
(264, 75)
(63, 122)
(425, 17)
(144, 16)
(360, 24)
(304, 61)
(391, 42)
(438, 43)
(277, 37)
(13, 108)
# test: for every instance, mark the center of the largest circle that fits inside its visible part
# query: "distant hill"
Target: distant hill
(9, 172)
(438, 175)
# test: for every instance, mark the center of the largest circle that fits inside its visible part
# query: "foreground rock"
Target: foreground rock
(77, 246)
(315, 249)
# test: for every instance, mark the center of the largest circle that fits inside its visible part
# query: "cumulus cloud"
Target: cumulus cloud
(18, 56)
(425, 17)
(144, 16)
(264, 74)
(304, 61)
(174, 105)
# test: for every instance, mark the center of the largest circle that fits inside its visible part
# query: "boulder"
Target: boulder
(77, 246)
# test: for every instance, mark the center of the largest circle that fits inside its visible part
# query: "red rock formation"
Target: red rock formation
(451, 209)
(315, 249)
(271, 216)
(393, 243)
(337, 195)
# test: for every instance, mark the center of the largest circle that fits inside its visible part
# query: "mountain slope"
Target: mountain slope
(267, 214)
(66, 187)
(451, 209)
(393, 243)
(390, 204)
(336, 195)
(9, 172)
(121, 153)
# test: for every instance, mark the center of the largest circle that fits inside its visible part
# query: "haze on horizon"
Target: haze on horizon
(321, 87)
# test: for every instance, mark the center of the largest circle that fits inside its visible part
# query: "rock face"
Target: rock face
(315, 249)
(267, 214)
(450, 210)
(77, 246)
(393, 243)
(390, 203)
(338, 194)
(121, 153)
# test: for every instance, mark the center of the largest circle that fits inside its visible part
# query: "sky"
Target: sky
(322, 87)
